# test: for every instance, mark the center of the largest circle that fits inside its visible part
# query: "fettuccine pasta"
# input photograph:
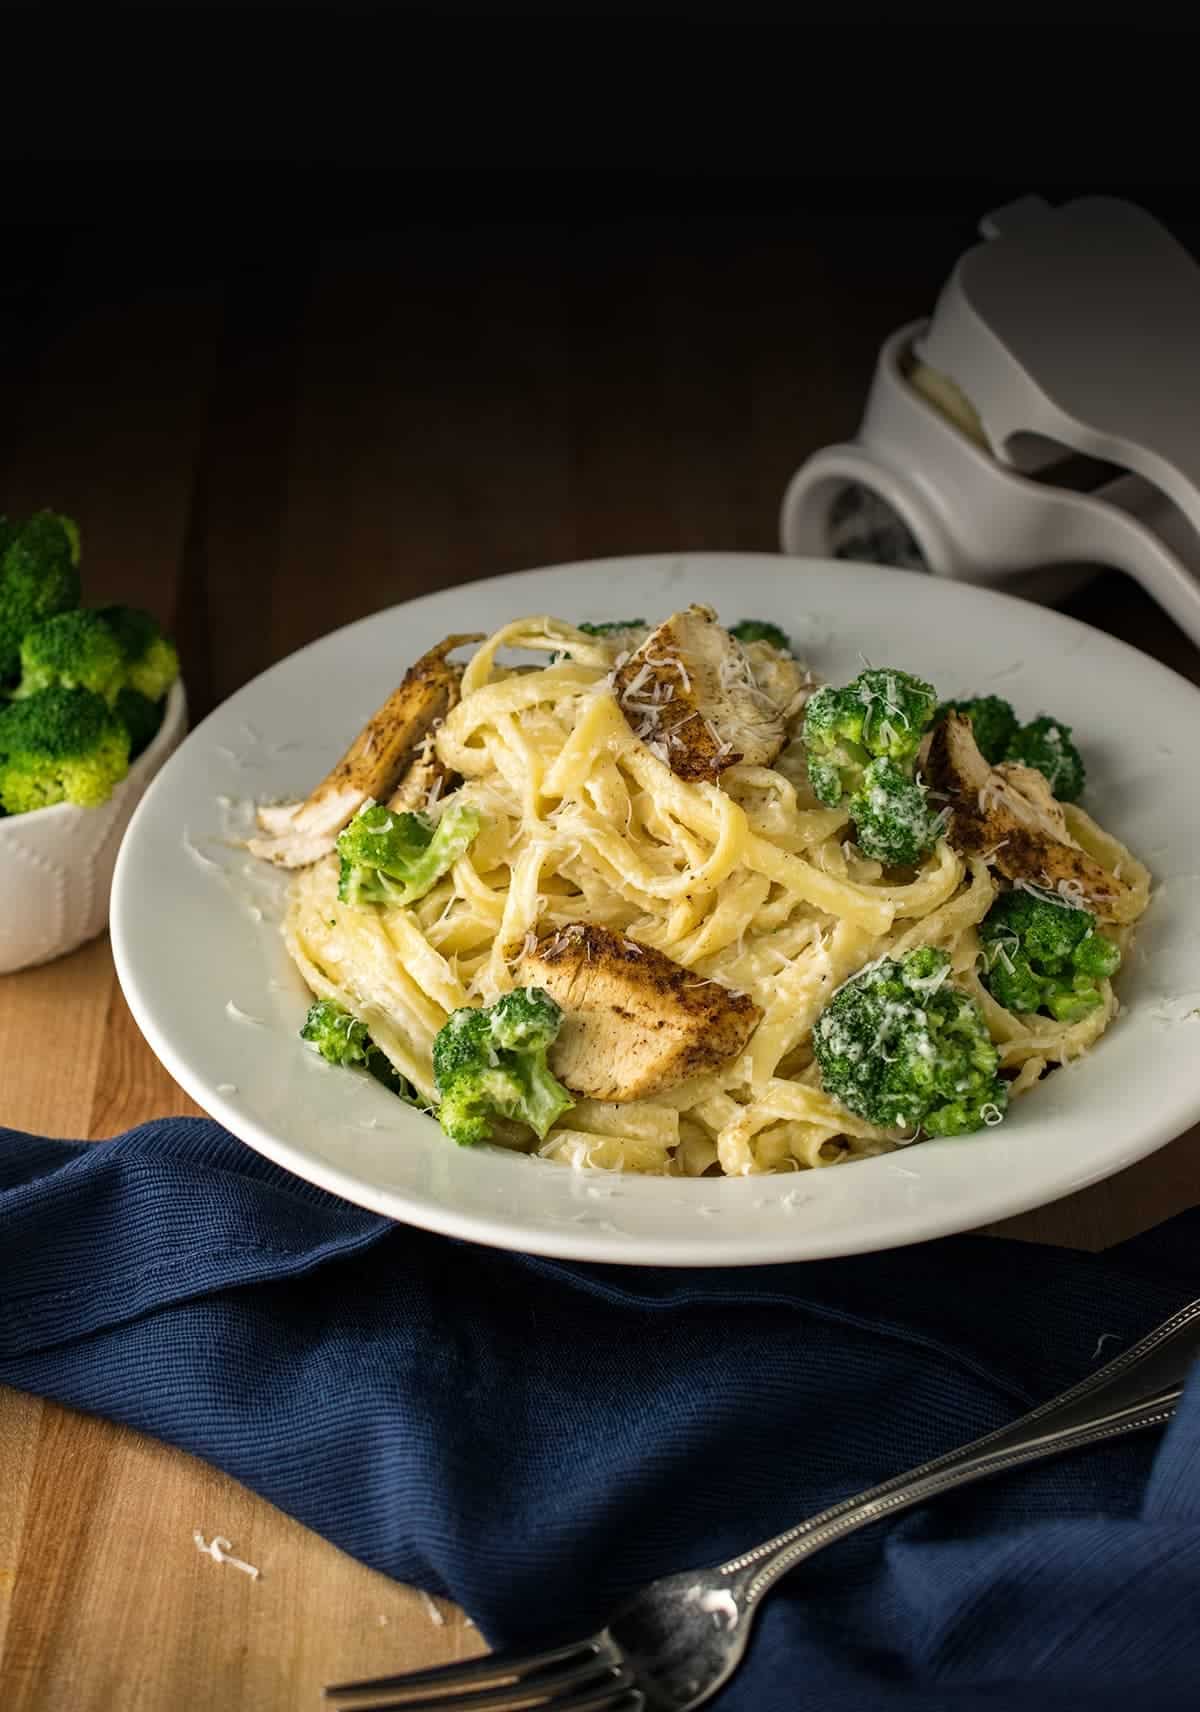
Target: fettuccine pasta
(749, 883)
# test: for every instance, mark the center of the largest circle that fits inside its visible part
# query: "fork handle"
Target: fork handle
(1139, 1389)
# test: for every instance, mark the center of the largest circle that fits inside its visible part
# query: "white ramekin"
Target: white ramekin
(56, 864)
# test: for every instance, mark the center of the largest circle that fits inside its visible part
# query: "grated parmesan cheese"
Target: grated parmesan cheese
(1064, 896)
(220, 1550)
(431, 1610)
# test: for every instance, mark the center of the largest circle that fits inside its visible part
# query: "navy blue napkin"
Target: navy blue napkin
(534, 1439)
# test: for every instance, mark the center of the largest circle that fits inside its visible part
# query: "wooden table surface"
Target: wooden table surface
(260, 451)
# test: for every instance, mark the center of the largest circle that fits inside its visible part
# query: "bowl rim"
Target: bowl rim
(173, 721)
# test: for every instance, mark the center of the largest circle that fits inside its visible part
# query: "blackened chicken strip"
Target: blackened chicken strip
(297, 834)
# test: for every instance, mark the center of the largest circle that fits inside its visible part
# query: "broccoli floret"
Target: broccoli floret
(337, 1035)
(141, 718)
(113, 649)
(394, 859)
(899, 1047)
(1041, 952)
(1046, 744)
(862, 742)
(491, 1063)
(151, 659)
(825, 777)
(74, 649)
(39, 576)
(836, 760)
(993, 723)
(154, 674)
(759, 630)
(341, 1039)
(881, 715)
(60, 745)
(612, 625)
(893, 822)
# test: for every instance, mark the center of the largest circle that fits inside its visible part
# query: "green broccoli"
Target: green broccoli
(892, 819)
(993, 723)
(141, 718)
(394, 859)
(491, 1062)
(341, 1039)
(39, 576)
(760, 630)
(151, 659)
(611, 626)
(881, 715)
(1046, 744)
(862, 742)
(60, 745)
(1041, 952)
(901, 1048)
(75, 649)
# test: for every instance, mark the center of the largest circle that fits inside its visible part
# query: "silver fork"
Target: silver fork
(671, 1646)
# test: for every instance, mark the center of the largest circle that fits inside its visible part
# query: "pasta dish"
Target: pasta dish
(651, 897)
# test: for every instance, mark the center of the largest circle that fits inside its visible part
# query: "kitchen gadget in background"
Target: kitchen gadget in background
(1043, 423)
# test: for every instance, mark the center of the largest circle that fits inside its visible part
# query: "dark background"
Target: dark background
(301, 316)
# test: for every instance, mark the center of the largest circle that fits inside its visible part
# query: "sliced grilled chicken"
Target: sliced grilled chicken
(634, 1022)
(1009, 814)
(692, 693)
(296, 834)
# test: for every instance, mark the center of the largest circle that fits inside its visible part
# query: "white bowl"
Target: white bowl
(56, 864)
(187, 896)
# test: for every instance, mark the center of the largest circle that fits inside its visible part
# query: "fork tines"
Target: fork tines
(586, 1676)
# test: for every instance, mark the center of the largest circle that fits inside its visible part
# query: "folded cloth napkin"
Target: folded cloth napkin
(535, 1439)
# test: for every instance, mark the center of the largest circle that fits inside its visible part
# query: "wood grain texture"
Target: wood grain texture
(260, 449)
